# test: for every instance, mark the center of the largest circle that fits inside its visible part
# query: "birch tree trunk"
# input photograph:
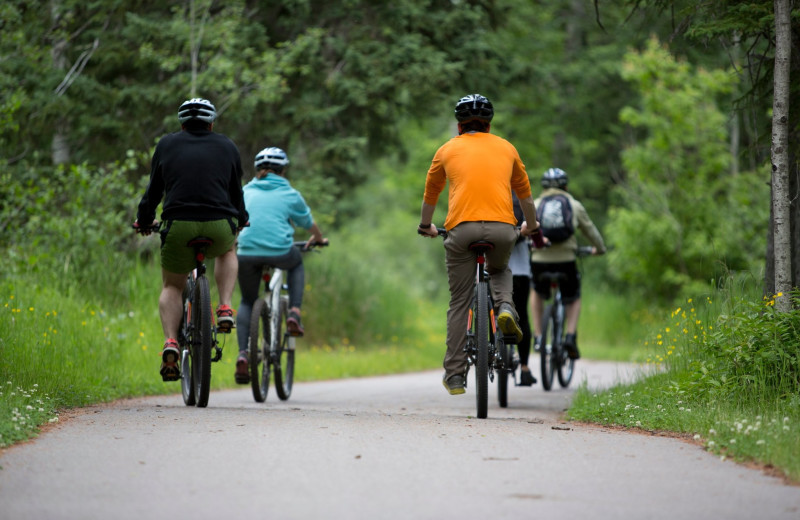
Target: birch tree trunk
(780, 156)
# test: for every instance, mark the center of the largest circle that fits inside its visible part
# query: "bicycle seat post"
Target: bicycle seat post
(200, 246)
(481, 247)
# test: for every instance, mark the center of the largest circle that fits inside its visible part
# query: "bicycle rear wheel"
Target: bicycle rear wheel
(185, 341)
(283, 360)
(482, 356)
(258, 348)
(549, 328)
(504, 353)
(201, 347)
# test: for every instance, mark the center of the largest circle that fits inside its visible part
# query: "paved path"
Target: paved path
(373, 448)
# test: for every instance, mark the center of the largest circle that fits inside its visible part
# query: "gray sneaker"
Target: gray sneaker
(455, 384)
(507, 322)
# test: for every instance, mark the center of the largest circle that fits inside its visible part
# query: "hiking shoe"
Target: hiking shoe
(455, 384)
(170, 361)
(571, 346)
(507, 322)
(293, 326)
(537, 344)
(242, 375)
(225, 321)
(526, 378)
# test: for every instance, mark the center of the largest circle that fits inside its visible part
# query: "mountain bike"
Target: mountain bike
(487, 347)
(554, 357)
(197, 335)
(270, 348)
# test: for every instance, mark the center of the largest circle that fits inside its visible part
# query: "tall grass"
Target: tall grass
(727, 371)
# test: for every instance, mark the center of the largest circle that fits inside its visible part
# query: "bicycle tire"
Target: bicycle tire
(566, 365)
(258, 351)
(185, 341)
(482, 356)
(283, 360)
(201, 355)
(546, 351)
(504, 354)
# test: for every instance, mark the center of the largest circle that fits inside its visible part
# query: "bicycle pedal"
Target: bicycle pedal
(170, 372)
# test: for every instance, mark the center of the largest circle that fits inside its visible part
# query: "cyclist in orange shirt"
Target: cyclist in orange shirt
(482, 170)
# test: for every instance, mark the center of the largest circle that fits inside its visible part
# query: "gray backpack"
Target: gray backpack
(555, 216)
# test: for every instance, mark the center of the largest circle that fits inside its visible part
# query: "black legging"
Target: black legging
(522, 291)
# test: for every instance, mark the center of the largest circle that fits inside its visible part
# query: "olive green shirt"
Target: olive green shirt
(565, 251)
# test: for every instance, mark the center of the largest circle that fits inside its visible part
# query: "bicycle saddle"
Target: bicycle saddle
(199, 242)
(553, 276)
(481, 245)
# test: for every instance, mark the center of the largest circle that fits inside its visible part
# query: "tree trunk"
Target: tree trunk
(780, 155)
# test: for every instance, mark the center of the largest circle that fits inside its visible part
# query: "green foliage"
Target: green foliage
(327, 81)
(71, 224)
(752, 354)
(679, 199)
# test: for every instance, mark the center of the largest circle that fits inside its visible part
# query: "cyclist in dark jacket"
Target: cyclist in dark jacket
(199, 174)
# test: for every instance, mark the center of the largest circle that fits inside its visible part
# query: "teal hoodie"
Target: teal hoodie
(275, 208)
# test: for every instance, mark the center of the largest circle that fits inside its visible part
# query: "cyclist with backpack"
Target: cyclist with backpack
(560, 214)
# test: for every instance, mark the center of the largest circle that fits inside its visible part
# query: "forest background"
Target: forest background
(659, 111)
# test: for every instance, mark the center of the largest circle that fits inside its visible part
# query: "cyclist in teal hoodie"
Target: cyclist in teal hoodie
(275, 209)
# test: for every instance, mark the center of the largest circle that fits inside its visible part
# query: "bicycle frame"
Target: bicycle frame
(274, 287)
(271, 349)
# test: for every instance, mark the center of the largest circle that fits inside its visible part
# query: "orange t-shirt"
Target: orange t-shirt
(482, 169)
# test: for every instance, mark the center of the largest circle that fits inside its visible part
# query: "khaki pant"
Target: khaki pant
(461, 270)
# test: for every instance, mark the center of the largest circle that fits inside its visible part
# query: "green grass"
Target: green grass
(727, 374)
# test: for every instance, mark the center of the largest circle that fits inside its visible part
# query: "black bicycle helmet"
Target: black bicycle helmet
(271, 159)
(554, 178)
(472, 107)
(197, 108)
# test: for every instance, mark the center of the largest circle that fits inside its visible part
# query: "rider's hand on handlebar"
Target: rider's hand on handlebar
(146, 230)
(316, 241)
(430, 231)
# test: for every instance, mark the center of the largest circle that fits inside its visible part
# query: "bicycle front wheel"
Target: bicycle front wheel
(258, 346)
(504, 353)
(482, 356)
(283, 360)
(549, 329)
(202, 340)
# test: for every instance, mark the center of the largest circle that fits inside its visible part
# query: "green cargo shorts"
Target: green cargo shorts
(177, 257)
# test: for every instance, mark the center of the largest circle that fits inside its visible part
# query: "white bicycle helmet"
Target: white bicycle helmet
(197, 108)
(271, 158)
(554, 178)
(474, 106)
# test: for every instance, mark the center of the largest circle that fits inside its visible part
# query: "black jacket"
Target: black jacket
(201, 173)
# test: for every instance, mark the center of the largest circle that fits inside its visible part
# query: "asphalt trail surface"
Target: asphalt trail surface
(373, 448)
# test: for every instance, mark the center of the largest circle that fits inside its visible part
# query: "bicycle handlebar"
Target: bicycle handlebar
(307, 245)
(150, 228)
(440, 230)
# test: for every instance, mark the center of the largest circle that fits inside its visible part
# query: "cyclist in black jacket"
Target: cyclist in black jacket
(199, 174)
